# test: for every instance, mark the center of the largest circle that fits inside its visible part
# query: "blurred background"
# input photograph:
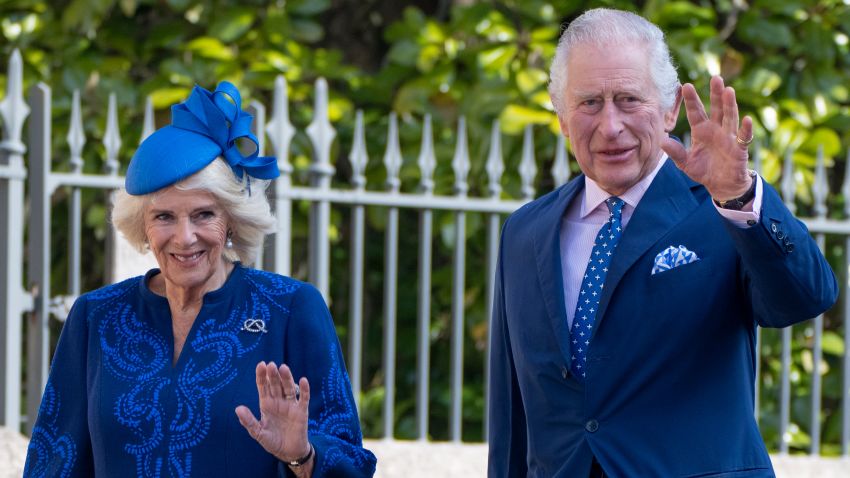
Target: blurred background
(789, 61)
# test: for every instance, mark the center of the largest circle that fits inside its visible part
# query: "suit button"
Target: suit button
(565, 373)
(591, 426)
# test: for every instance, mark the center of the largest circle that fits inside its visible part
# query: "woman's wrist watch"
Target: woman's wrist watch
(739, 202)
(301, 461)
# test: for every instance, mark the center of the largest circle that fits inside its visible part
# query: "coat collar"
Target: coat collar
(667, 201)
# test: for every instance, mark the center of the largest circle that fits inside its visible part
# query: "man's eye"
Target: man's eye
(592, 102)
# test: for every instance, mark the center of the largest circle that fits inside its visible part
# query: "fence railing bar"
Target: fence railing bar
(527, 165)
(845, 383)
(13, 110)
(148, 121)
(460, 165)
(561, 165)
(280, 132)
(322, 135)
(789, 190)
(404, 200)
(358, 158)
(423, 324)
(757, 166)
(427, 162)
(785, 393)
(38, 330)
(495, 168)
(112, 137)
(817, 357)
(392, 162)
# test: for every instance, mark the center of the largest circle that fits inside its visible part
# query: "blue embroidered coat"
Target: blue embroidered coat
(116, 405)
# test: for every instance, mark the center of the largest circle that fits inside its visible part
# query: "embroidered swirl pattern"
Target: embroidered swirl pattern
(169, 415)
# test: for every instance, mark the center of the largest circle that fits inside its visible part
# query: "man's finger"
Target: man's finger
(746, 131)
(730, 109)
(675, 150)
(694, 109)
(715, 96)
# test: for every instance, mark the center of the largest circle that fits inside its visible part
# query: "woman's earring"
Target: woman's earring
(228, 243)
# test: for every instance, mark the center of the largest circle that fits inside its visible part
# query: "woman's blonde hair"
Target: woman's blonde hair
(248, 211)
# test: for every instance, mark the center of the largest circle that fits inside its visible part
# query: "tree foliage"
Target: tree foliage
(789, 61)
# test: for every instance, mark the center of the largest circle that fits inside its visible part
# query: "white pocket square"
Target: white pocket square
(673, 257)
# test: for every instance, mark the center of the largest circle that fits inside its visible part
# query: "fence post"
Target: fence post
(38, 332)
(322, 134)
(13, 298)
(280, 132)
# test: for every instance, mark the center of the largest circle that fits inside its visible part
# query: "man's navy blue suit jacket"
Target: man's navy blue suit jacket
(671, 364)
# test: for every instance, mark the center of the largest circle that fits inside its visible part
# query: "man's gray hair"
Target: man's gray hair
(605, 27)
(249, 215)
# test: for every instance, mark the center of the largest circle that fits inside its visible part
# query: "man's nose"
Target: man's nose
(611, 120)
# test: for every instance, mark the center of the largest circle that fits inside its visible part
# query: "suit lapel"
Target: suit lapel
(667, 201)
(547, 247)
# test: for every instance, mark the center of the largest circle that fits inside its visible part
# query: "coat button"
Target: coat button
(564, 372)
(591, 426)
(773, 227)
(751, 222)
(789, 248)
(780, 235)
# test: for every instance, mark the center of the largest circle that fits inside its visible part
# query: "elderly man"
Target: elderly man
(627, 300)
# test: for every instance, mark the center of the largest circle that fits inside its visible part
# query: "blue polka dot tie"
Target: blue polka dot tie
(591, 286)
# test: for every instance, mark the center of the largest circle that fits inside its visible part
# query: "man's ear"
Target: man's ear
(672, 115)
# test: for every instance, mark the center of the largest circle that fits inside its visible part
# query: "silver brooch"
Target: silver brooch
(255, 326)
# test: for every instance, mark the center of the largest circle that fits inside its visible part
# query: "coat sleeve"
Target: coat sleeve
(60, 444)
(507, 429)
(313, 351)
(784, 271)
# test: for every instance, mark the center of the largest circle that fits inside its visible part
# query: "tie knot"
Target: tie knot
(615, 206)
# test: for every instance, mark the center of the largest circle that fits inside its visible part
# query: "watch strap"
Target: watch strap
(739, 202)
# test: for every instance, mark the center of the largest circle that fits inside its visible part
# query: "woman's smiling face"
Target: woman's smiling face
(186, 231)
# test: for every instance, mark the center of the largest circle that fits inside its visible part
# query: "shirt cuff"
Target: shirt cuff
(751, 213)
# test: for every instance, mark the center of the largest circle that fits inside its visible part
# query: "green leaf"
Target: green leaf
(530, 80)
(497, 59)
(762, 81)
(515, 117)
(231, 23)
(165, 97)
(306, 31)
(832, 344)
(826, 138)
(762, 31)
(307, 7)
(209, 47)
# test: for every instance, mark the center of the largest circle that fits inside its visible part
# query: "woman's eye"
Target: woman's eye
(205, 215)
(162, 217)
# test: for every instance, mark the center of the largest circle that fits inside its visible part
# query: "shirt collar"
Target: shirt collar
(594, 195)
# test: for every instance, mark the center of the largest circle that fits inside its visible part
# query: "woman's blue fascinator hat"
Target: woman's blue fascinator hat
(204, 127)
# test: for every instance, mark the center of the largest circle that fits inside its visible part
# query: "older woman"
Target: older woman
(175, 373)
